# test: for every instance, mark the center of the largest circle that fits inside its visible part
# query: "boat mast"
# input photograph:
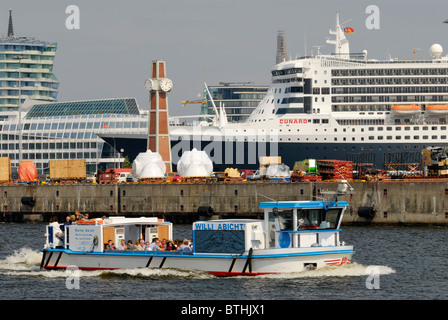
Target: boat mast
(341, 43)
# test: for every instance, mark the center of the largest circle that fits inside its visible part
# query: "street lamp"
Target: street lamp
(20, 105)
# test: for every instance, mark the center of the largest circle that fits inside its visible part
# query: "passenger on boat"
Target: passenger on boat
(185, 246)
(130, 246)
(303, 220)
(170, 246)
(141, 245)
(67, 221)
(78, 215)
(56, 228)
(110, 245)
(122, 245)
(155, 245)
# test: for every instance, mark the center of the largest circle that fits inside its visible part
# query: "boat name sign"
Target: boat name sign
(82, 237)
(219, 226)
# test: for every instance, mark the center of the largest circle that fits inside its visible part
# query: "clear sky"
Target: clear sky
(210, 41)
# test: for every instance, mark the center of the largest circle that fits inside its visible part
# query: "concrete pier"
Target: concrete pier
(398, 202)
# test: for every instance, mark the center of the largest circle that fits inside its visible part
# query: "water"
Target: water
(407, 263)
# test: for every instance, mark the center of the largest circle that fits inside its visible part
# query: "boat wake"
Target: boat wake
(346, 270)
(21, 260)
(26, 262)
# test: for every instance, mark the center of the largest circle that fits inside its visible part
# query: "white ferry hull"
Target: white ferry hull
(269, 261)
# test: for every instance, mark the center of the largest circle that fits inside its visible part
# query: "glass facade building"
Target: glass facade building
(67, 130)
(239, 100)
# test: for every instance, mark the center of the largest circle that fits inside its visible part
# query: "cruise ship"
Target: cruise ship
(327, 107)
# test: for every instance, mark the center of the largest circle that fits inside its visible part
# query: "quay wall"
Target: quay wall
(397, 202)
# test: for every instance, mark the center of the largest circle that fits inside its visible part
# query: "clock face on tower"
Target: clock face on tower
(148, 84)
(166, 84)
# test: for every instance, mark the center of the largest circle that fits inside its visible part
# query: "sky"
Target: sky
(210, 41)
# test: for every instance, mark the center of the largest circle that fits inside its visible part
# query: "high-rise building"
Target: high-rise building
(281, 47)
(26, 70)
(239, 99)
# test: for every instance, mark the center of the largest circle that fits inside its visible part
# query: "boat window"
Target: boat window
(283, 220)
(318, 219)
(289, 110)
(332, 217)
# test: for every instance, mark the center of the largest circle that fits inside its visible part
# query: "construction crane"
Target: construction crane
(194, 101)
(226, 84)
(202, 101)
(415, 51)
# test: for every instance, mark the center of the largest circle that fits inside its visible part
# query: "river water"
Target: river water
(390, 263)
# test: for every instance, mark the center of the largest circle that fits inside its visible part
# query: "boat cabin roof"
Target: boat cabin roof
(302, 204)
(140, 220)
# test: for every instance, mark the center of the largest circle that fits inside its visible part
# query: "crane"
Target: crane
(415, 51)
(194, 101)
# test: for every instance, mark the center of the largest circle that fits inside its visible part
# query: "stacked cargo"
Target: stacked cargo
(68, 171)
(27, 171)
(435, 161)
(335, 169)
(5, 170)
(230, 175)
(265, 162)
(305, 170)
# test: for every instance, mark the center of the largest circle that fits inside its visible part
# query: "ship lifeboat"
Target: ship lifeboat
(408, 109)
(437, 109)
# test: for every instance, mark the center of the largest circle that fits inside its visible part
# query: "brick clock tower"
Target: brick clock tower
(158, 135)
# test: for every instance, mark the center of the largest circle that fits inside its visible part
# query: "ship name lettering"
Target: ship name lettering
(293, 121)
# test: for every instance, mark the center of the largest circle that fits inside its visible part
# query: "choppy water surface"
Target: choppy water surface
(394, 262)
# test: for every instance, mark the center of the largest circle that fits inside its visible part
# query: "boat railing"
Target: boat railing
(53, 240)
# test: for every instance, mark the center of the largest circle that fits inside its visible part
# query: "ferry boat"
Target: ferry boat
(328, 106)
(294, 236)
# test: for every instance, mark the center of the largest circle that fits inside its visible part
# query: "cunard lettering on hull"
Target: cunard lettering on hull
(293, 121)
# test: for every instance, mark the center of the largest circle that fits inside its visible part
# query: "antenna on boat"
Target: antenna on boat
(318, 49)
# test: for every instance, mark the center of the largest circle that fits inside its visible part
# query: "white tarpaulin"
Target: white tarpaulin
(148, 165)
(195, 163)
(277, 170)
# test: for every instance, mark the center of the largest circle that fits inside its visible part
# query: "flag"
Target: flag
(348, 30)
(105, 125)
